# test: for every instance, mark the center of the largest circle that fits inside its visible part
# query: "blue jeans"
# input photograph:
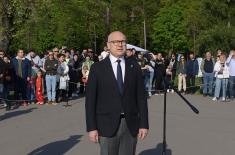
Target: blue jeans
(220, 84)
(231, 86)
(51, 86)
(208, 83)
(149, 80)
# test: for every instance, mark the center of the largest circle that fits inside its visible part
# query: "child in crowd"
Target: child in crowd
(85, 73)
(39, 88)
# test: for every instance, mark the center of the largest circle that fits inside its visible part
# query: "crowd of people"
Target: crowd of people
(60, 74)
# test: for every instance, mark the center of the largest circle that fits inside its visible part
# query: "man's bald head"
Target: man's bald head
(115, 35)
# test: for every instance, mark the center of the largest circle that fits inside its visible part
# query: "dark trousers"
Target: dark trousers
(123, 143)
(190, 80)
(232, 86)
(21, 88)
(159, 84)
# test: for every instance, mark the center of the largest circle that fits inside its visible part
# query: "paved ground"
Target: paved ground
(55, 130)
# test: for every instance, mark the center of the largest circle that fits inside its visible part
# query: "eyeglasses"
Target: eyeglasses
(118, 42)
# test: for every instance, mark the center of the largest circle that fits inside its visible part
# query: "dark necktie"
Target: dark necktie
(119, 77)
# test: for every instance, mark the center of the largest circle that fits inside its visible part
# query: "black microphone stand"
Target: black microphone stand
(194, 109)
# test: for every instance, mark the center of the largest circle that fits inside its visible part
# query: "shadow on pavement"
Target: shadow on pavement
(58, 147)
(156, 151)
(16, 113)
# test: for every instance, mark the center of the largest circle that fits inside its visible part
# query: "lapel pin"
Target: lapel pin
(131, 66)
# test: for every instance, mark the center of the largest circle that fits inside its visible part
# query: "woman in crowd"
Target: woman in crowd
(221, 70)
(74, 74)
(181, 70)
(62, 77)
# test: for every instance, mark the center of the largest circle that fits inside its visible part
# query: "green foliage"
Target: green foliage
(170, 29)
(177, 25)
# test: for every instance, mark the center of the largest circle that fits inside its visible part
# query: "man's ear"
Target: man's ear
(108, 45)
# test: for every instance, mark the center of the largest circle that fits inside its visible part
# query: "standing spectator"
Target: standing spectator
(22, 69)
(150, 70)
(8, 91)
(221, 70)
(160, 72)
(192, 69)
(55, 52)
(39, 88)
(207, 68)
(173, 64)
(62, 73)
(67, 57)
(74, 74)
(88, 62)
(181, 71)
(231, 64)
(2, 71)
(142, 62)
(105, 53)
(72, 52)
(50, 66)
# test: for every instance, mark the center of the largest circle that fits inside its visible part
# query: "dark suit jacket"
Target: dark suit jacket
(104, 103)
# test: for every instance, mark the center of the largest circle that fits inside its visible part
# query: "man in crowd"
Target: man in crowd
(116, 105)
(192, 69)
(50, 66)
(105, 53)
(207, 68)
(231, 64)
(22, 69)
(2, 71)
(160, 72)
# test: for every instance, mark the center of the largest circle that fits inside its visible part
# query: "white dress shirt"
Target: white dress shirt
(114, 63)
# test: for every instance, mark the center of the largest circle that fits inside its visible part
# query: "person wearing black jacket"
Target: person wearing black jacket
(2, 71)
(116, 103)
(160, 72)
(75, 68)
(192, 69)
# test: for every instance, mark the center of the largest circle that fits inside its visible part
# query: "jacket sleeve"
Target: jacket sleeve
(202, 66)
(90, 103)
(142, 100)
(196, 67)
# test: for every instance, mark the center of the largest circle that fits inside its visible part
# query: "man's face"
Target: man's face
(191, 56)
(128, 53)
(61, 59)
(117, 44)
(6, 60)
(159, 56)
(20, 54)
(51, 55)
(208, 55)
(32, 54)
(1, 55)
(173, 57)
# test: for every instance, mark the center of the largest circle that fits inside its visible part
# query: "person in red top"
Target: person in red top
(39, 88)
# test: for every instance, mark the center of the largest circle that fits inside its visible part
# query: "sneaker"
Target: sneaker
(172, 91)
(223, 99)
(168, 90)
(214, 99)
(54, 103)
(150, 94)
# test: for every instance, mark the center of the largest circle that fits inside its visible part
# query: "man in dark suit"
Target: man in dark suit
(116, 103)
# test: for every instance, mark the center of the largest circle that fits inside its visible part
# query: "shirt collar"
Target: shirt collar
(114, 59)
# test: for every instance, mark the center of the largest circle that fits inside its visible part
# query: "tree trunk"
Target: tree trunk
(6, 24)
